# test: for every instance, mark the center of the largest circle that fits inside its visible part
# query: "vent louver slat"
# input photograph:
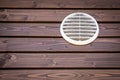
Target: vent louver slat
(79, 28)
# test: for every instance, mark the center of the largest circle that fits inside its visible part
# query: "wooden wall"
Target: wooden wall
(31, 47)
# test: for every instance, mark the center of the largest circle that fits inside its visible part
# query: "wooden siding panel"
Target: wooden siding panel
(31, 47)
(57, 44)
(51, 29)
(59, 4)
(24, 15)
(59, 60)
(60, 74)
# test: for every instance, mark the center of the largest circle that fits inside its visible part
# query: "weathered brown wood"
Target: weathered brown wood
(4, 58)
(57, 44)
(60, 74)
(55, 15)
(66, 60)
(20, 60)
(50, 29)
(59, 4)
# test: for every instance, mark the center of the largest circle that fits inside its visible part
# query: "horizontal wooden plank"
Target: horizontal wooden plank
(60, 74)
(59, 4)
(55, 15)
(59, 60)
(57, 44)
(51, 29)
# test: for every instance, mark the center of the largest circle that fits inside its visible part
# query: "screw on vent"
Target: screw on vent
(79, 28)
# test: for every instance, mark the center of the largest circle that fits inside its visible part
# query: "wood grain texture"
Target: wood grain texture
(51, 29)
(31, 47)
(60, 74)
(55, 15)
(59, 4)
(57, 44)
(59, 60)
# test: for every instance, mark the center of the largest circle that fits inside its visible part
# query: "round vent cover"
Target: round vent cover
(79, 28)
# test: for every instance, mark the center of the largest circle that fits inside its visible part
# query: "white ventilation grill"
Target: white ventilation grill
(79, 28)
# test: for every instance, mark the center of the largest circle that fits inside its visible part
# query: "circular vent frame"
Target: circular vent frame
(79, 28)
